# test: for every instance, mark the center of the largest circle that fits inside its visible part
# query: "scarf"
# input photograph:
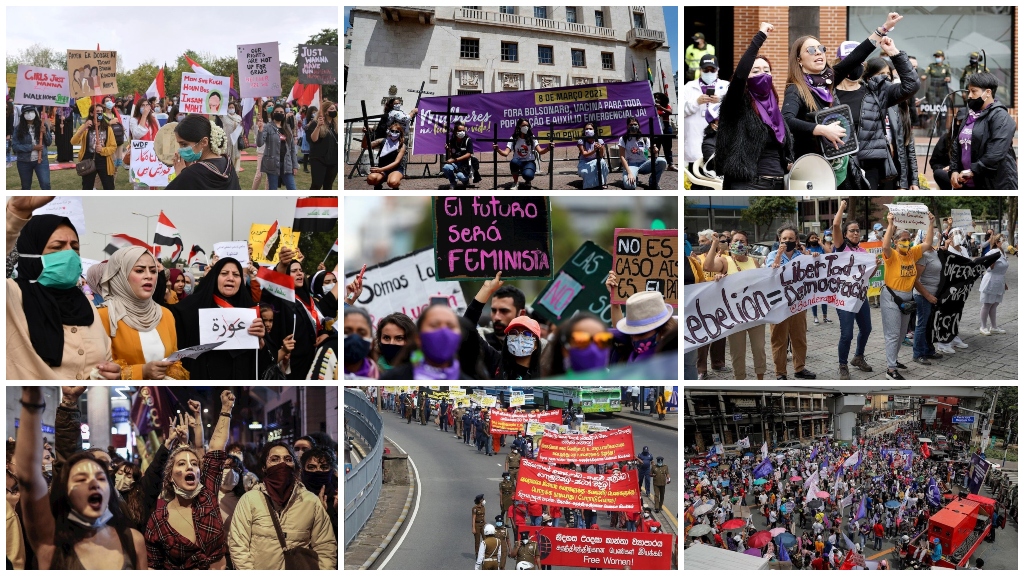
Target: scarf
(186, 313)
(94, 276)
(821, 84)
(424, 371)
(172, 276)
(965, 145)
(279, 480)
(47, 310)
(767, 104)
(121, 301)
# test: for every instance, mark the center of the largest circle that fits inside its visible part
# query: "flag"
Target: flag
(812, 487)
(862, 509)
(196, 67)
(118, 241)
(316, 214)
(248, 104)
(271, 242)
(783, 553)
(295, 92)
(152, 409)
(814, 453)
(764, 450)
(848, 500)
(925, 451)
(631, 61)
(157, 87)
(825, 465)
(934, 496)
(849, 543)
(280, 285)
(763, 469)
(167, 235)
(852, 460)
(907, 464)
(334, 248)
(744, 443)
(193, 256)
(650, 75)
(891, 465)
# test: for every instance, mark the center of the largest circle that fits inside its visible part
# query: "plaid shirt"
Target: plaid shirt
(168, 550)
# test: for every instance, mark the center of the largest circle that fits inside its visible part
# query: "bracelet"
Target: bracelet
(228, 414)
(882, 34)
(27, 405)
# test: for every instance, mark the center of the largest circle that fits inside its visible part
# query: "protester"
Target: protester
(206, 168)
(261, 114)
(394, 332)
(991, 295)
(647, 323)
(308, 116)
(323, 146)
(279, 163)
(64, 127)
(459, 153)
(981, 157)
(926, 285)
(96, 143)
(358, 343)
(900, 272)
(815, 247)
(320, 477)
(591, 153)
(638, 156)
(792, 330)
(661, 103)
(524, 145)
(307, 322)
(439, 336)
(701, 108)
(692, 274)
(31, 141)
(233, 121)
(114, 120)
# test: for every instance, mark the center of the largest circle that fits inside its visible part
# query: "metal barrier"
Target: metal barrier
(362, 484)
(355, 165)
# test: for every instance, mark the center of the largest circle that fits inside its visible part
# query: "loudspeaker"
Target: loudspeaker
(811, 172)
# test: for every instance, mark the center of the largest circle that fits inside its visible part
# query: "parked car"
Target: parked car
(789, 445)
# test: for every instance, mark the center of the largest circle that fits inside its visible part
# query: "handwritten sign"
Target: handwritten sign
(93, 73)
(258, 236)
(42, 86)
(227, 326)
(204, 94)
(193, 352)
(517, 399)
(146, 166)
(238, 250)
(909, 214)
(476, 237)
(956, 279)
(962, 219)
(259, 70)
(578, 285)
(646, 260)
(69, 207)
(318, 64)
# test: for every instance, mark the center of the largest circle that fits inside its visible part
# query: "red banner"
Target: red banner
(595, 448)
(560, 487)
(505, 422)
(606, 549)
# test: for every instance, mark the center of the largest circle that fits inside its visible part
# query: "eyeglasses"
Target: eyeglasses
(579, 339)
(813, 50)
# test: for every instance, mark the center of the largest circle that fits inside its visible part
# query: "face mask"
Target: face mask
(483, 502)
(314, 481)
(394, 135)
(760, 85)
(709, 77)
(312, 116)
(634, 127)
(790, 246)
(230, 480)
(157, 109)
(61, 270)
(181, 117)
(738, 248)
(646, 515)
(856, 73)
(524, 129)
(588, 133)
(520, 345)
(589, 358)
(389, 351)
(188, 154)
(460, 134)
(644, 347)
(440, 345)
(231, 110)
(30, 116)
(188, 289)
(903, 246)
(333, 113)
(48, 468)
(328, 287)
(812, 242)
(88, 523)
(396, 107)
(975, 104)
(123, 482)
(279, 116)
(957, 239)
(938, 60)
(357, 348)
(187, 494)
(108, 105)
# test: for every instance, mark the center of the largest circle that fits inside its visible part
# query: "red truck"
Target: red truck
(960, 527)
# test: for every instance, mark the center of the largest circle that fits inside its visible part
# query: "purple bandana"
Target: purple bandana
(767, 104)
(821, 84)
(965, 145)
(424, 371)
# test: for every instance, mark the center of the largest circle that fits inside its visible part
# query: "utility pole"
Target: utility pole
(987, 429)
(1009, 432)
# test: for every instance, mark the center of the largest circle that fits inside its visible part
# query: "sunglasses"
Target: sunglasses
(813, 50)
(579, 340)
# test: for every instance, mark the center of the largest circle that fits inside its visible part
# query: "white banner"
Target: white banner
(737, 302)
(962, 219)
(913, 215)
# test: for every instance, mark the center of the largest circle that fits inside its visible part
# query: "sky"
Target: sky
(140, 33)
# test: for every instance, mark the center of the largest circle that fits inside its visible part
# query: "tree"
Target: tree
(763, 210)
(315, 247)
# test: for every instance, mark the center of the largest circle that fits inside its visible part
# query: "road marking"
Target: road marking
(670, 516)
(880, 554)
(415, 509)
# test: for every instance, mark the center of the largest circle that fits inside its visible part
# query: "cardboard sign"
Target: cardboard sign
(146, 166)
(912, 215)
(227, 326)
(405, 284)
(204, 94)
(476, 237)
(646, 260)
(618, 491)
(259, 70)
(258, 237)
(237, 250)
(318, 64)
(93, 73)
(877, 281)
(193, 352)
(69, 207)
(597, 448)
(517, 399)
(962, 219)
(578, 285)
(42, 86)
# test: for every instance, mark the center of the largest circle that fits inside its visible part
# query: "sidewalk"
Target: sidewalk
(388, 516)
(671, 421)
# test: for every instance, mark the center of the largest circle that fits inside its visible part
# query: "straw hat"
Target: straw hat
(645, 311)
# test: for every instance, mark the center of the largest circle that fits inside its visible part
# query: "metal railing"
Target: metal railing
(645, 34)
(362, 484)
(518, 21)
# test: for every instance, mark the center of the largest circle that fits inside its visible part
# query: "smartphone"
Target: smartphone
(709, 90)
(442, 300)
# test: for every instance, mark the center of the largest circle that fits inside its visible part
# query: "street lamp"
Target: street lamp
(147, 217)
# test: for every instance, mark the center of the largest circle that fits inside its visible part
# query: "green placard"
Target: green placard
(578, 285)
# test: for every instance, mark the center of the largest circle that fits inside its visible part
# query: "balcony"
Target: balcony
(422, 14)
(645, 38)
(520, 22)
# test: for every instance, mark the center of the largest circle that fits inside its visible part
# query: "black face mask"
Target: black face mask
(790, 246)
(333, 113)
(389, 351)
(976, 104)
(313, 481)
(812, 242)
(279, 116)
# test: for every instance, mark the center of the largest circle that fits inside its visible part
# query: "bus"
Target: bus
(588, 399)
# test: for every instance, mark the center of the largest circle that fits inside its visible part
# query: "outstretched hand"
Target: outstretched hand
(23, 206)
(767, 28)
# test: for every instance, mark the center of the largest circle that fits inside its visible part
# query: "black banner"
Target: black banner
(318, 64)
(956, 280)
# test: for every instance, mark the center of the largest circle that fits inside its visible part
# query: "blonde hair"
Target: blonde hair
(324, 105)
(167, 491)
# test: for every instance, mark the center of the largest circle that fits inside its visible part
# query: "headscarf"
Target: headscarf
(47, 310)
(202, 297)
(316, 282)
(141, 314)
(94, 275)
(173, 275)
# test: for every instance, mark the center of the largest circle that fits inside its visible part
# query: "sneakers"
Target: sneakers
(900, 366)
(935, 356)
(907, 342)
(723, 369)
(815, 319)
(805, 374)
(984, 331)
(859, 362)
(826, 320)
(893, 375)
(844, 372)
(782, 377)
(958, 343)
(922, 360)
(997, 330)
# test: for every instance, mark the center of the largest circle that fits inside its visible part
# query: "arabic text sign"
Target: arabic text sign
(229, 326)
(42, 86)
(646, 260)
(69, 207)
(962, 219)
(579, 285)
(915, 215)
(93, 73)
(597, 448)
(202, 94)
(579, 548)
(238, 250)
(318, 64)
(618, 491)
(146, 166)
(504, 422)
(258, 237)
(259, 70)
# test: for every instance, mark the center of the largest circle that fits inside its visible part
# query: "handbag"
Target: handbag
(297, 558)
(907, 307)
(88, 166)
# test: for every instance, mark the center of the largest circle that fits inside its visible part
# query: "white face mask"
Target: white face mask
(524, 129)
(328, 287)
(460, 134)
(521, 345)
(123, 482)
(709, 77)
(588, 133)
(30, 116)
(483, 502)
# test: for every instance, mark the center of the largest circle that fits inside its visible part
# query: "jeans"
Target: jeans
(287, 179)
(921, 345)
(645, 168)
(824, 310)
(846, 320)
(42, 171)
(453, 171)
(878, 542)
(536, 520)
(526, 168)
(666, 143)
(587, 169)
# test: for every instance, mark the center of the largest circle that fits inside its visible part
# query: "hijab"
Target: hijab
(767, 104)
(202, 297)
(140, 314)
(47, 310)
(93, 277)
(316, 283)
(174, 274)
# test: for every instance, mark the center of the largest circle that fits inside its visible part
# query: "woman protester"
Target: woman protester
(30, 142)
(64, 127)
(320, 477)
(754, 145)
(900, 272)
(926, 286)
(359, 344)
(185, 531)
(175, 286)
(279, 524)
(851, 238)
(648, 321)
(205, 168)
(144, 126)
(815, 247)
(323, 146)
(639, 157)
(460, 153)
(53, 331)
(271, 352)
(438, 338)
(303, 318)
(126, 482)
(232, 121)
(981, 157)
(113, 118)
(98, 145)
(991, 292)
(905, 151)
(231, 490)
(141, 331)
(264, 114)
(524, 145)
(389, 158)
(592, 151)
(394, 331)
(308, 116)
(579, 344)
(279, 160)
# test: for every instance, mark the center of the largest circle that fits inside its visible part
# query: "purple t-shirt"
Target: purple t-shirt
(965, 146)
(845, 247)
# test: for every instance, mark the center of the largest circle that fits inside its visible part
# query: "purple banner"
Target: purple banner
(152, 409)
(565, 110)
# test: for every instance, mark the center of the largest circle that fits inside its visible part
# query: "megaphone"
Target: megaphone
(811, 172)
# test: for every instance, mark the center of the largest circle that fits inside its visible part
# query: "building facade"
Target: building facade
(761, 416)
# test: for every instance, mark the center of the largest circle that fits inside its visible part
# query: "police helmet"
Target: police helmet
(489, 530)
(524, 565)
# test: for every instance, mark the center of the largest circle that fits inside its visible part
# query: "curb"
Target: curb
(653, 422)
(398, 523)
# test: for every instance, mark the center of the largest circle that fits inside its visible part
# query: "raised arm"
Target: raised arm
(887, 240)
(195, 420)
(931, 232)
(219, 439)
(837, 223)
(35, 502)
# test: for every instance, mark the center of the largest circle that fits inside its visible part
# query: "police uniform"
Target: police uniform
(694, 54)
(479, 519)
(527, 553)
(408, 409)
(512, 463)
(489, 553)
(507, 489)
(936, 75)
(660, 474)
(501, 533)
(974, 67)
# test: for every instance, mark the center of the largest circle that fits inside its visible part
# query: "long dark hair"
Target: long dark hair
(404, 323)
(239, 489)
(133, 505)
(66, 532)
(529, 132)
(508, 361)
(265, 453)
(284, 122)
(451, 137)
(551, 358)
(23, 124)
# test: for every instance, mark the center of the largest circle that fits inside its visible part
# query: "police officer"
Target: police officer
(424, 409)
(525, 550)
(661, 478)
(973, 67)
(694, 52)
(467, 426)
(644, 470)
(408, 409)
(478, 519)
(489, 552)
(512, 461)
(507, 489)
(501, 533)
(937, 77)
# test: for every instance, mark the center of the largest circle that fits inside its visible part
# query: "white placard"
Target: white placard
(70, 207)
(238, 250)
(228, 326)
(909, 214)
(962, 219)
(146, 166)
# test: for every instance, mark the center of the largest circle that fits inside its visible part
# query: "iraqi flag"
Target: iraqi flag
(270, 244)
(193, 256)
(316, 214)
(118, 241)
(157, 87)
(167, 235)
(280, 285)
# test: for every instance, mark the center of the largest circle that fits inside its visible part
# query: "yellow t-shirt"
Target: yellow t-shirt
(901, 270)
(737, 266)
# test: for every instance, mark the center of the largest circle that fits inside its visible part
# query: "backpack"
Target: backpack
(118, 129)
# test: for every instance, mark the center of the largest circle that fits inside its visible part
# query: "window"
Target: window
(471, 7)
(638, 20)
(470, 48)
(545, 55)
(507, 9)
(570, 15)
(599, 18)
(607, 61)
(579, 58)
(540, 12)
(509, 52)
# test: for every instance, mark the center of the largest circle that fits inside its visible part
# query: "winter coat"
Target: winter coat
(271, 164)
(993, 160)
(879, 95)
(905, 154)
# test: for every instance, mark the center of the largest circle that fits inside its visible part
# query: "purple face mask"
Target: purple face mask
(589, 358)
(767, 105)
(440, 345)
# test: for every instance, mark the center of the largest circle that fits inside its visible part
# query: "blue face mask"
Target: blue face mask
(188, 154)
(61, 270)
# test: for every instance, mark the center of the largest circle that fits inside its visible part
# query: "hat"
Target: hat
(845, 48)
(708, 60)
(975, 55)
(526, 322)
(877, 226)
(939, 53)
(697, 36)
(935, 540)
(478, 498)
(645, 311)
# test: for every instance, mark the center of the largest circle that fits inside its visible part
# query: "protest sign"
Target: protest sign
(912, 215)
(69, 207)
(192, 352)
(713, 310)
(877, 280)
(93, 72)
(475, 239)
(405, 284)
(318, 64)
(597, 448)
(507, 422)
(229, 327)
(238, 250)
(956, 278)
(146, 166)
(977, 473)
(578, 285)
(489, 401)
(962, 219)
(517, 399)
(537, 428)
(258, 236)
(259, 70)
(201, 94)
(602, 549)
(646, 260)
(42, 86)
(562, 109)
(618, 491)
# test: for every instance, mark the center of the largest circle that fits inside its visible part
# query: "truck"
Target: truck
(703, 557)
(960, 528)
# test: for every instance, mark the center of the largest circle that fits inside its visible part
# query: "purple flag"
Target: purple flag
(862, 510)
(814, 453)
(783, 553)
(565, 109)
(910, 459)
(934, 496)
(152, 409)
(763, 469)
